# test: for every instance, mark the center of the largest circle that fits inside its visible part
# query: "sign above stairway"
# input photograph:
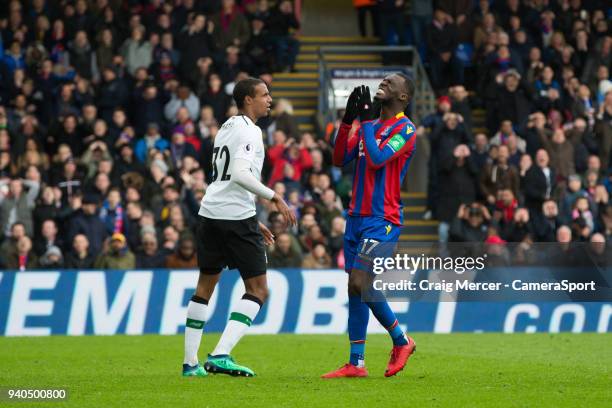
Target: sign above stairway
(345, 79)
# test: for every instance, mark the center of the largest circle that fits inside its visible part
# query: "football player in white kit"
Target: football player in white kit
(228, 233)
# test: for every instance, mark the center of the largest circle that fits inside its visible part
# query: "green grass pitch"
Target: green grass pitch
(456, 370)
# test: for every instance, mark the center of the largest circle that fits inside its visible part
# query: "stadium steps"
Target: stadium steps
(415, 228)
(301, 88)
(313, 40)
(313, 66)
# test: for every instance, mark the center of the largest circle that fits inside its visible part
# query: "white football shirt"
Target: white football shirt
(239, 138)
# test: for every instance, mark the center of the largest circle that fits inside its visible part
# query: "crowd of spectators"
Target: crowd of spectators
(108, 113)
(539, 169)
(109, 109)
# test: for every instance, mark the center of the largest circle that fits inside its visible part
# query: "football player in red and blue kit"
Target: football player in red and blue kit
(382, 148)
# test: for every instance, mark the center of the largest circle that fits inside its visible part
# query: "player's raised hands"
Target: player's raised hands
(351, 111)
(366, 110)
(284, 209)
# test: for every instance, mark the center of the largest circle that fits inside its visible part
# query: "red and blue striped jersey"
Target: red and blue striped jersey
(383, 150)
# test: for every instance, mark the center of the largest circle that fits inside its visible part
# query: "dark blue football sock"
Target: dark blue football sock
(359, 313)
(383, 313)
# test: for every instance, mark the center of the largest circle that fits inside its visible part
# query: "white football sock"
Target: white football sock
(240, 319)
(196, 316)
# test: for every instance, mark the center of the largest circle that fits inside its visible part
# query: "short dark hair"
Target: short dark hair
(245, 88)
(408, 84)
(17, 224)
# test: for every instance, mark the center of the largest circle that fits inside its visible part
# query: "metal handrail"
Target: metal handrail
(324, 111)
(424, 94)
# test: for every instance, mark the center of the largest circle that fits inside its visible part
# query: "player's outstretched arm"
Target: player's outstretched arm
(241, 175)
(345, 148)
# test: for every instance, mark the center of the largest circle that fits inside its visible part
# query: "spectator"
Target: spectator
(150, 256)
(93, 156)
(116, 255)
(105, 51)
(48, 206)
(312, 237)
(281, 27)
(561, 152)
(87, 222)
(134, 212)
(583, 105)
(469, 224)
(363, 8)
(290, 153)
(13, 57)
(151, 140)
(9, 244)
(81, 55)
(431, 121)
(170, 238)
(194, 43)
(512, 101)
(329, 208)
(539, 183)
(282, 119)
(447, 135)
(127, 163)
(457, 187)
(101, 185)
(536, 132)
(279, 226)
(230, 26)
(164, 70)
(113, 93)
(519, 228)
(136, 51)
(182, 98)
(572, 193)
(79, 257)
(148, 109)
(603, 130)
(216, 98)
(52, 258)
(112, 213)
(422, 11)
(547, 222)
(179, 149)
(498, 176)
(318, 258)
(184, 256)
(23, 258)
(487, 26)
(441, 43)
(283, 254)
(258, 49)
(582, 211)
(18, 205)
(69, 181)
(48, 238)
(505, 134)
(460, 104)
